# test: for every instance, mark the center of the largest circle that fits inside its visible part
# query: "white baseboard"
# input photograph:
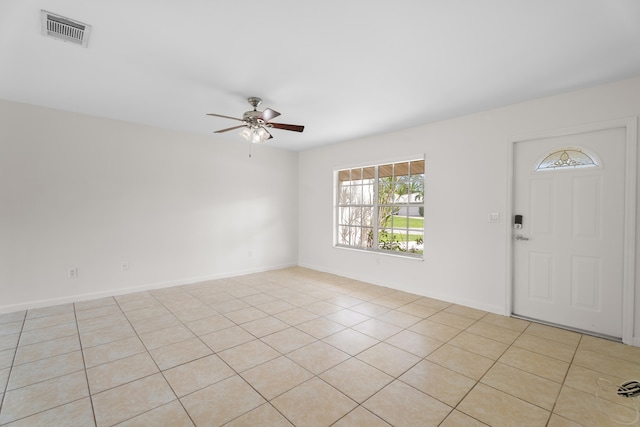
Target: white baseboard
(448, 298)
(29, 305)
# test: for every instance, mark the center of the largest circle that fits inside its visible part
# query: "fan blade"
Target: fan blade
(269, 114)
(228, 129)
(295, 128)
(224, 117)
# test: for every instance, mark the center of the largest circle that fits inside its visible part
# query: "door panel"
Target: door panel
(541, 276)
(587, 207)
(568, 260)
(542, 207)
(586, 282)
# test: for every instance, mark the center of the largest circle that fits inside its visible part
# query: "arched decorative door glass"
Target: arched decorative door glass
(567, 158)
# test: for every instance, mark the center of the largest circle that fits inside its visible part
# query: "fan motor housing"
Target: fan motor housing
(253, 117)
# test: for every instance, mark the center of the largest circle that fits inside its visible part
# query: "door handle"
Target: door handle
(520, 237)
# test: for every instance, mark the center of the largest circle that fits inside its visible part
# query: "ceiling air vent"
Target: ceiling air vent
(65, 29)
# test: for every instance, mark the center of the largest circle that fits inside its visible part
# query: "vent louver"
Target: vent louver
(65, 29)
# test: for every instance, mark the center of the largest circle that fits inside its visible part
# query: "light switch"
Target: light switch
(494, 217)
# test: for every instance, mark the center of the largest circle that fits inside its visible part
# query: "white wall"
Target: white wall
(79, 191)
(91, 193)
(465, 257)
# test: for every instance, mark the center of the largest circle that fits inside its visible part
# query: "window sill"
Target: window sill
(383, 253)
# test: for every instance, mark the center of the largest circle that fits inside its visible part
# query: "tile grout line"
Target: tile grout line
(564, 379)
(314, 376)
(154, 361)
(239, 374)
(15, 353)
(424, 358)
(421, 359)
(284, 355)
(496, 361)
(351, 357)
(569, 364)
(453, 408)
(91, 394)
(84, 363)
(355, 356)
(267, 401)
(40, 381)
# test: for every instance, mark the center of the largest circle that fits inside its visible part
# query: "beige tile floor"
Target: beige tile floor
(299, 347)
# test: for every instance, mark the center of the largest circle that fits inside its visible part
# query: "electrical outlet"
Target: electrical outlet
(125, 266)
(73, 273)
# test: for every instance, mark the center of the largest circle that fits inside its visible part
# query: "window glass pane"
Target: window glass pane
(416, 185)
(401, 185)
(567, 158)
(369, 173)
(417, 188)
(401, 169)
(416, 241)
(400, 236)
(363, 194)
(417, 167)
(367, 216)
(344, 175)
(355, 235)
(356, 174)
(384, 239)
(384, 216)
(343, 193)
(367, 237)
(343, 217)
(367, 194)
(362, 237)
(385, 190)
(353, 194)
(356, 216)
(343, 235)
(385, 171)
(402, 189)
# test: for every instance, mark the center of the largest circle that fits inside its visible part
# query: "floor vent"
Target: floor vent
(65, 29)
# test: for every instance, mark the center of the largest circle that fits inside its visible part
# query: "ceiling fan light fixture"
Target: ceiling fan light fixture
(261, 134)
(246, 134)
(255, 134)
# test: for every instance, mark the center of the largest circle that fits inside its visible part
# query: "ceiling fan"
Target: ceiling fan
(255, 123)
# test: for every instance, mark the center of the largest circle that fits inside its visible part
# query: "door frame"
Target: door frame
(630, 124)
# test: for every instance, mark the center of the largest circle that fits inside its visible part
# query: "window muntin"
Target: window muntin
(381, 207)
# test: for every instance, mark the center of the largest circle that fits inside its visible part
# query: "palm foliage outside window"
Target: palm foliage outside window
(381, 207)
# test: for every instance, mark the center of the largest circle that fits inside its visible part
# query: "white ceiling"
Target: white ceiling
(343, 68)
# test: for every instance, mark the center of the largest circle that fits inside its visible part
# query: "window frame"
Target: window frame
(372, 208)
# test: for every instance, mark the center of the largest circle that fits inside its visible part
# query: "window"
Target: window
(381, 208)
(566, 158)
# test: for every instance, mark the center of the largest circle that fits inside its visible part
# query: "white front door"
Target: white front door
(569, 252)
